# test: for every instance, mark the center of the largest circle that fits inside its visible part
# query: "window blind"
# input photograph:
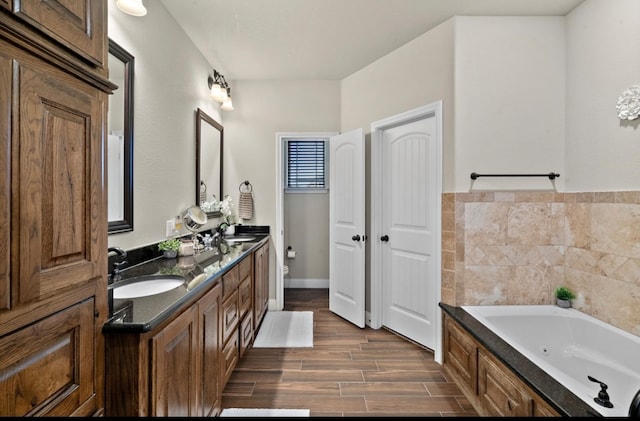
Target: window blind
(306, 164)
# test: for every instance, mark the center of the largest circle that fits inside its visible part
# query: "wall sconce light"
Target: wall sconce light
(132, 7)
(220, 90)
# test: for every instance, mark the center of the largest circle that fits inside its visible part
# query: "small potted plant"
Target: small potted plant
(564, 296)
(170, 247)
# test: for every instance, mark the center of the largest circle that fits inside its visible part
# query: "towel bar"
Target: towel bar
(551, 175)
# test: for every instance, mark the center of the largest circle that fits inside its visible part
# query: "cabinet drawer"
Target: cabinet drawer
(230, 316)
(246, 334)
(245, 294)
(230, 357)
(245, 267)
(230, 281)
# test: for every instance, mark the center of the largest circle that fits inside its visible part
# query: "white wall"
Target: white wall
(418, 73)
(170, 84)
(602, 61)
(509, 101)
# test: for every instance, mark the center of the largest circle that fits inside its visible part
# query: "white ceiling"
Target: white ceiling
(323, 39)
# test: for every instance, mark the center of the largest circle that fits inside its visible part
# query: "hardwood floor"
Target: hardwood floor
(348, 372)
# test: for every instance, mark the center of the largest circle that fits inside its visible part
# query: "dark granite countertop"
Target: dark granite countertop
(558, 396)
(143, 314)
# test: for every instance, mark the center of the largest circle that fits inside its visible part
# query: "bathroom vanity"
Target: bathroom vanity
(172, 353)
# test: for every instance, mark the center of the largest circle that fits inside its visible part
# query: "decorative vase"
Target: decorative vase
(231, 229)
(170, 254)
(563, 303)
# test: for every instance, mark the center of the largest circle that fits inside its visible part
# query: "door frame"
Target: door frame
(431, 110)
(278, 235)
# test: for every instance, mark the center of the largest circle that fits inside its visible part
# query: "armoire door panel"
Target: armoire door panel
(58, 166)
(77, 24)
(5, 180)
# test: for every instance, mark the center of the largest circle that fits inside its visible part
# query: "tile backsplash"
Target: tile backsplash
(518, 247)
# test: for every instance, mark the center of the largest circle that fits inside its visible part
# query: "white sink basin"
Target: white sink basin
(144, 288)
(239, 239)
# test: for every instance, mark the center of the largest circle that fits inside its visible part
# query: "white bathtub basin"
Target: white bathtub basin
(148, 286)
(570, 346)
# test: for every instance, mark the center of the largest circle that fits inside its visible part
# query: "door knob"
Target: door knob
(356, 237)
(384, 238)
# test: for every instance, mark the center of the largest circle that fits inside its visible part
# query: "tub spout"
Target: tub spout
(603, 396)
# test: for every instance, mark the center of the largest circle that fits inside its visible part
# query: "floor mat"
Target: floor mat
(258, 412)
(286, 329)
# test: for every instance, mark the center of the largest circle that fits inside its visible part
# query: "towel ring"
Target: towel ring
(247, 185)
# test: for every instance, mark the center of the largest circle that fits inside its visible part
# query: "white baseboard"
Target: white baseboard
(306, 283)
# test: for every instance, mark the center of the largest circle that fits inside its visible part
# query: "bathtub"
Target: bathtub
(569, 346)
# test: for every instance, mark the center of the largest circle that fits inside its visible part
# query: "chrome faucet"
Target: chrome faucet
(115, 276)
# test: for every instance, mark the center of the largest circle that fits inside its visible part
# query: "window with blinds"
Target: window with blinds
(306, 165)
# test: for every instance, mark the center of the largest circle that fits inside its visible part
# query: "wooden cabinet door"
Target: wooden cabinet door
(261, 284)
(230, 357)
(245, 299)
(246, 333)
(498, 394)
(460, 355)
(211, 385)
(80, 24)
(5, 179)
(59, 229)
(174, 368)
(47, 368)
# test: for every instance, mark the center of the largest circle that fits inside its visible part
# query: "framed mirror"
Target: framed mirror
(209, 147)
(120, 141)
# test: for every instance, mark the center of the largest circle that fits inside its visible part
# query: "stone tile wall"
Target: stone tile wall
(518, 247)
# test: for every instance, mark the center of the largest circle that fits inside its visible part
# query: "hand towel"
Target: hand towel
(245, 205)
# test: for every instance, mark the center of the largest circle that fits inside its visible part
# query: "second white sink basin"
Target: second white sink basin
(149, 286)
(240, 238)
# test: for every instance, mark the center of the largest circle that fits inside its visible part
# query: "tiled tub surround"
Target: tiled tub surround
(517, 247)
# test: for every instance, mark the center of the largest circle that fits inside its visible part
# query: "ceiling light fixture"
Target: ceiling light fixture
(220, 90)
(132, 7)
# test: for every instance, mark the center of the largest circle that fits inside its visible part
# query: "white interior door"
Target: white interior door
(347, 226)
(407, 229)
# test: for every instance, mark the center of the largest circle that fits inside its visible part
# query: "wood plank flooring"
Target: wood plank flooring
(348, 372)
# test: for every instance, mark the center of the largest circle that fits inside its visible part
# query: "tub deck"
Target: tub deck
(557, 395)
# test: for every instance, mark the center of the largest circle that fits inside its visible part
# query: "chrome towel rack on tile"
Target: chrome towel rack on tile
(551, 175)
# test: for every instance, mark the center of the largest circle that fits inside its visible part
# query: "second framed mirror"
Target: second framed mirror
(209, 148)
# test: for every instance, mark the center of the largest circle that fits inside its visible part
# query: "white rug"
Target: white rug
(257, 412)
(286, 329)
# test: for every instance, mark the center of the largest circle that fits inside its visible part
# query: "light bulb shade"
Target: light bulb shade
(216, 92)
(223, 95)
(132, 7)
(227, 105)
